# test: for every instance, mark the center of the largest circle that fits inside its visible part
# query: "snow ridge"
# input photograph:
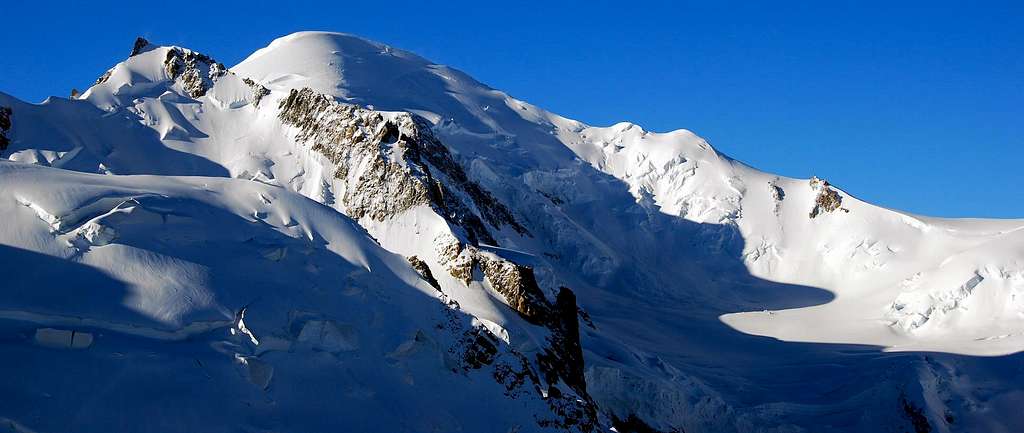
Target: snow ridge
(341, 218)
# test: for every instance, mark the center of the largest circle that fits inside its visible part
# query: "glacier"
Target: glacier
(337, 234)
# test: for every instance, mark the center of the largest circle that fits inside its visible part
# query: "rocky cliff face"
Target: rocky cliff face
(389, 163)
(258, 90)
(519, 287)
(141, 44)
(424, 270)
(196, 72)
(827, 200)
(5, 126)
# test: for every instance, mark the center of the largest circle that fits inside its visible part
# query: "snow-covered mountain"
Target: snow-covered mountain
(336, 234)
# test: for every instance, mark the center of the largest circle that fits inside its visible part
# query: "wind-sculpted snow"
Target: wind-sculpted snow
(977, 293)
(247, 278)
(338, 218)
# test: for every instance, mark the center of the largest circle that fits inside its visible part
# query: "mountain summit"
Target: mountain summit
(336, 234)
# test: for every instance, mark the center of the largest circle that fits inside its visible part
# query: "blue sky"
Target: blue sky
(917, 107)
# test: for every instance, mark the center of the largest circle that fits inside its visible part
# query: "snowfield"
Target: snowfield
(336, 234)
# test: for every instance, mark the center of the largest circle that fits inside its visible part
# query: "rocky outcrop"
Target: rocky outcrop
(561, 359)
(385, 163)
(514, 374)
(515, 282)
(519, 287)
(421, 267)
(391, 162)
(778, 194)
(571, 409)
(258, 91)
(915, 415)
(565, 356)
(195, 71)
(139, 47)
(481, 348)
(103, 78)
(827, 200)
(458, 259)
(5, 126)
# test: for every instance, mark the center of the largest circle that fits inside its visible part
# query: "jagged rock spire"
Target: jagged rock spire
(140, 44)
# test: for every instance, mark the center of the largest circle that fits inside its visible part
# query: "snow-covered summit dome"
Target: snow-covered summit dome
(337, 64)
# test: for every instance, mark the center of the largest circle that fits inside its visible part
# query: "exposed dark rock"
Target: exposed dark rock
(552, 198)
(515, 374)
(586, 319)
(218, 70)
(633, 424)
(828, 199)
(481, 347)
(387, 163)
(424, 271)
(460, 261)
(140, 45)
(195, 71)
(361, 143)
(571, 412)
(564, 357)
(778, 194)
(519, 287)
(916, 415)
(5, 126)
(478, 348)
(562, 360)
(349, 136)
(103, 78)
(258, 91)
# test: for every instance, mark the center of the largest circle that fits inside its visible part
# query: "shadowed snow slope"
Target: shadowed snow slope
(336, 233)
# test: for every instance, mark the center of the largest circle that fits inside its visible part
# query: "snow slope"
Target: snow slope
(712, 296)
(676, 173)
(214, 304)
